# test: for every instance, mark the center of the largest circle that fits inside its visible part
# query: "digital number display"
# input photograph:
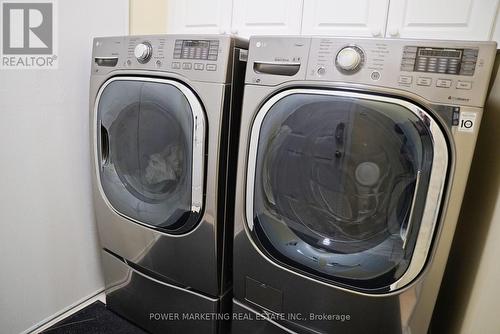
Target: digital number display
(440, 53)
(196, 44)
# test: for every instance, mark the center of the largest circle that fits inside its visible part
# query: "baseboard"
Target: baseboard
(67, 311)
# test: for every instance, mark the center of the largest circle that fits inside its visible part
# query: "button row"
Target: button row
(436, 64)
(442, 83)
(197, 66)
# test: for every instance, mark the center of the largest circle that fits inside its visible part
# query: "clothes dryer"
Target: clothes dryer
(164, 115)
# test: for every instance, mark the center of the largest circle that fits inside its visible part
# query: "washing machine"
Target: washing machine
(353, 159)
(163, 110)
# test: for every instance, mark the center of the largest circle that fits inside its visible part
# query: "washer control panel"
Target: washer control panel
(442, 72)
(449, 72)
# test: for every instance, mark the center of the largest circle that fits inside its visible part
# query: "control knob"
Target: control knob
(349, 58)
(143, 52)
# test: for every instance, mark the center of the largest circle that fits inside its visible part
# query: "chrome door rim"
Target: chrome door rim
(198, 156)
(434, 195)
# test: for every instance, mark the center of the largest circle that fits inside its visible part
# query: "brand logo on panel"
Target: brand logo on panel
(28, 35)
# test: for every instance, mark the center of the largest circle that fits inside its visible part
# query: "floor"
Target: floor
(96, 319)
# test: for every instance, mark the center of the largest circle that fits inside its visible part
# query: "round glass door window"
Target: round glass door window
(148, 153)
(337, 181)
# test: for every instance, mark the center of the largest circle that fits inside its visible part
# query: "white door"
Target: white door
(199, 16)
(266, 17)
(442, 19)
(345, 18)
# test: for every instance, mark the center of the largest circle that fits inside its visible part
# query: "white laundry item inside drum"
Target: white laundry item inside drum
(367, 173)
(164, 166)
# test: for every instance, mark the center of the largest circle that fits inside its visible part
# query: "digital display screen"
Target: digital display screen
(196, 49)
(440, 53)
(196, 44)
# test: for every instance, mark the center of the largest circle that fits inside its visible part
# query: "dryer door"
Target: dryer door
(345, 187)
(150, 151)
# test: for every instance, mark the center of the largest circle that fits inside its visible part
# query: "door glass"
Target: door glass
(335, 184)
(147, 173)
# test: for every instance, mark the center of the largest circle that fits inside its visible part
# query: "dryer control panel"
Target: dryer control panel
(197, 57)
(442, 72)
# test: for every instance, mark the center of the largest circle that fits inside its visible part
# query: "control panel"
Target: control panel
(439, 60)
(202, 58)
(196, 49)
(442, 72)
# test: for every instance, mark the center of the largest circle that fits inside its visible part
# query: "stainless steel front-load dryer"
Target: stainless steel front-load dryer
(163, 111)
(353, 159)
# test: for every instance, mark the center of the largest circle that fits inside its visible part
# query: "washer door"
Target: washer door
(150, 151)
(344, 186)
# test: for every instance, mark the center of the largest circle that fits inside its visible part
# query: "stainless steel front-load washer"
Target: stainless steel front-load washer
(353, 159)
(163, 114)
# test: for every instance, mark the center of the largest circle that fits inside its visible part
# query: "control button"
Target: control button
(468, 66)
(464, 85)
(176, 65)
(375, 75)
(349, 58)
(424, 81)
(187, 66)
(198, 66)
(466, 72)
(410, 48)
(408, 61)
(211, 67)
(405, 79)
(321, 71)
(443, 83)
(143, 52)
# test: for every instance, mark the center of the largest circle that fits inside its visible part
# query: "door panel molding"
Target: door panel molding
(441, 19)
(362, 18)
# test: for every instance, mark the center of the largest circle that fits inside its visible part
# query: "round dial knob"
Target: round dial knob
(349, 58)
(143, 52)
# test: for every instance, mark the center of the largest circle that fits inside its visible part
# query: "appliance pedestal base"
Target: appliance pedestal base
(157, 306)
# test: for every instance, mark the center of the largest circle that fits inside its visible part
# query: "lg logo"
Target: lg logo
(28, 29)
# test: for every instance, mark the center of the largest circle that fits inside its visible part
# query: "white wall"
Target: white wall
(148, 17)
(48, 245)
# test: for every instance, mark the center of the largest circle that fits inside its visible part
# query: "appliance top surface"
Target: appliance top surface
(442, 72)
(197, 57)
